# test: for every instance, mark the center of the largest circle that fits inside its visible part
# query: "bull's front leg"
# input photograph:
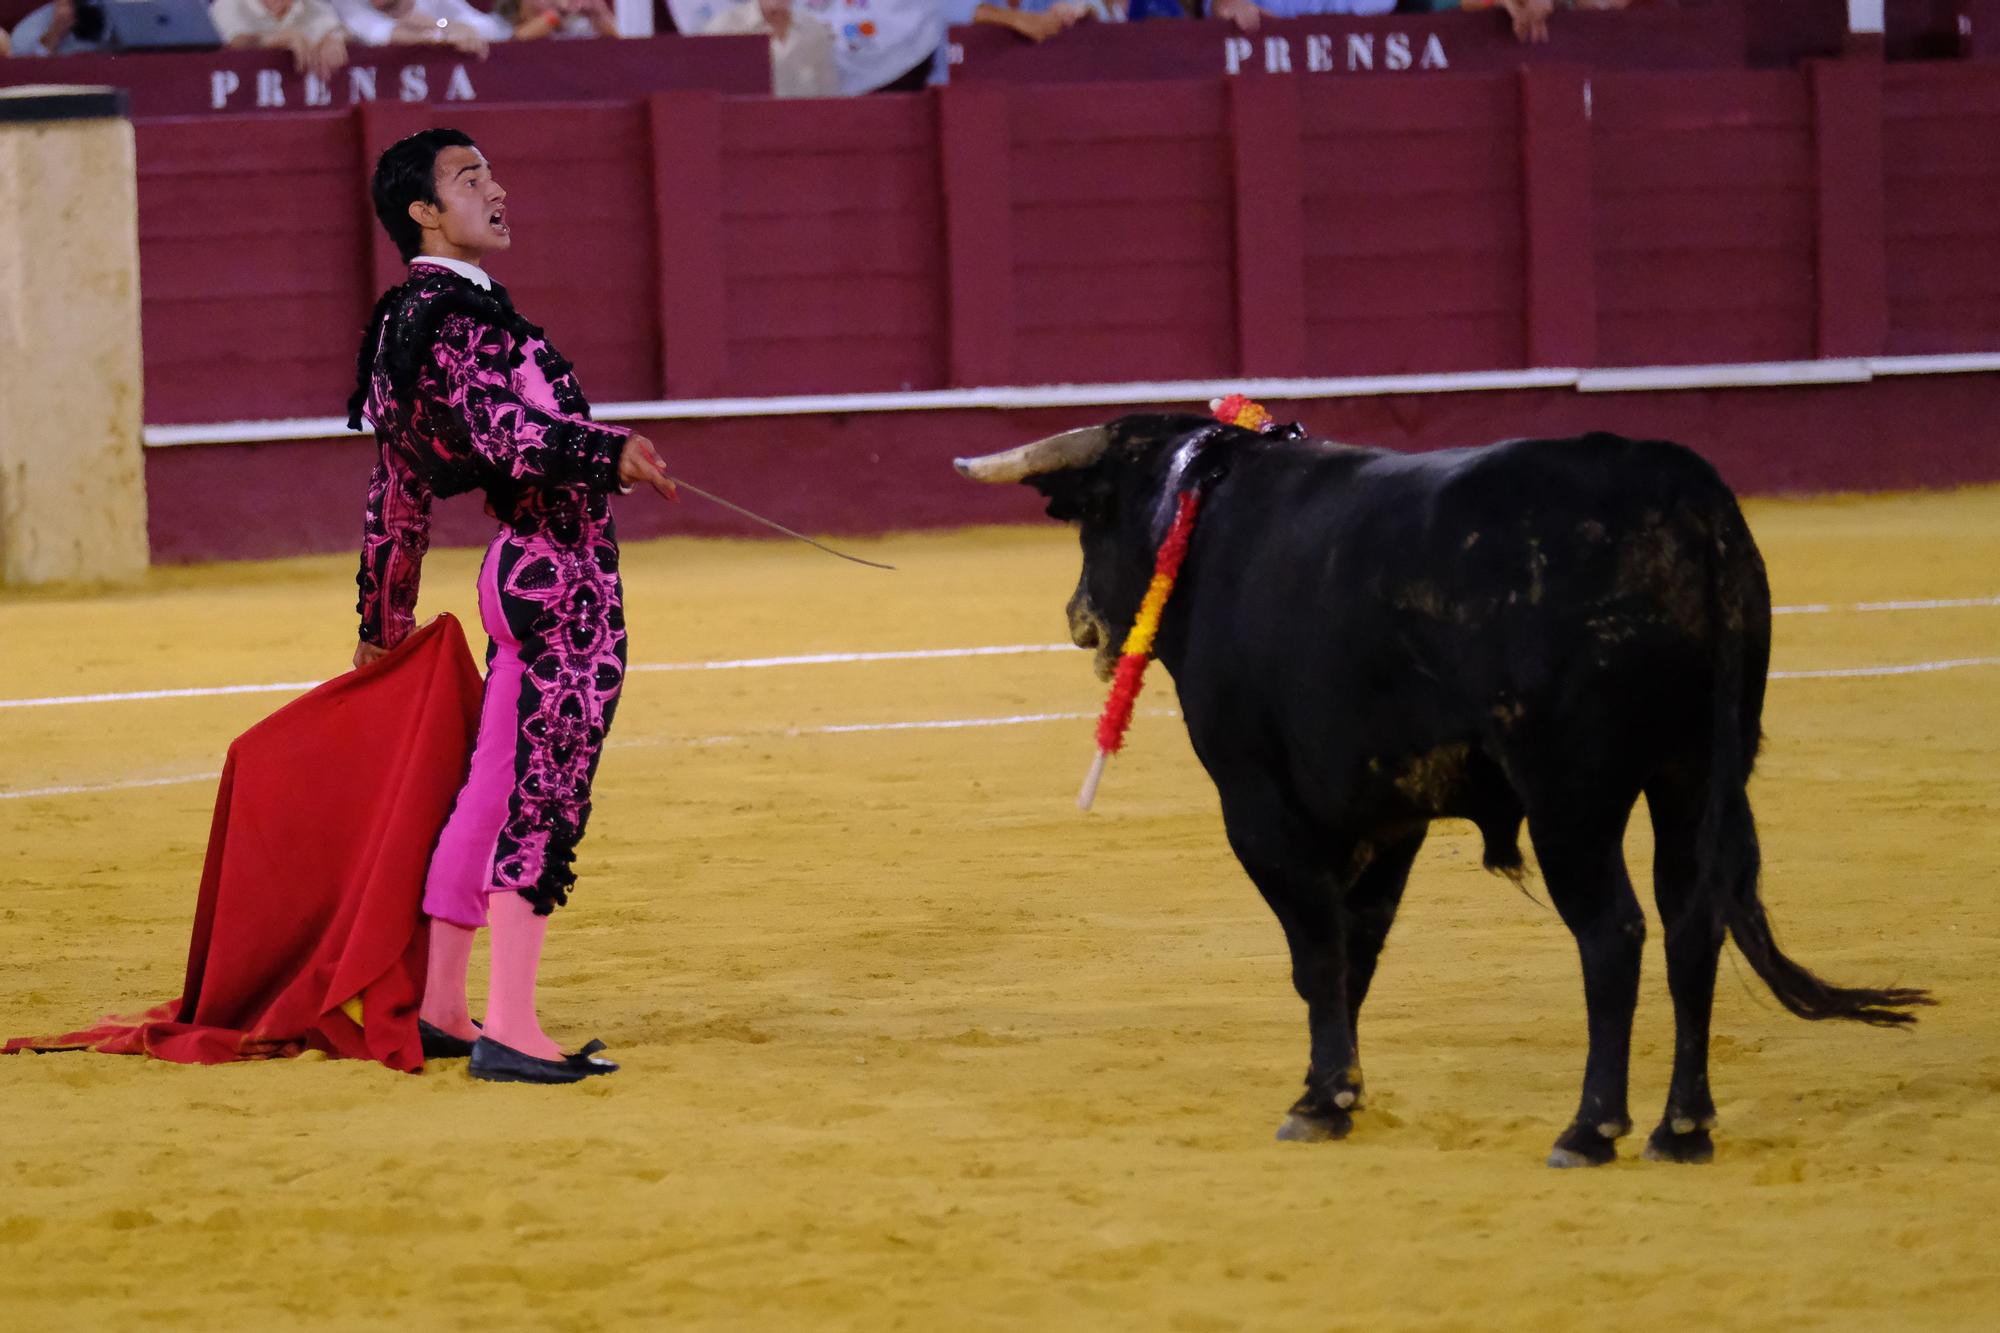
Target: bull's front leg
(1302, 874)
(1308, 905)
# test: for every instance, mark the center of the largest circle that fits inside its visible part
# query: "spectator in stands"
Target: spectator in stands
(59, 29)
(879, 46)
(875, 39)
(1037, 20)
(884, 46)
(1247, 14)
(802, 63)
(452, 23)
(535, 19)
(309, 29)
(1530, 17)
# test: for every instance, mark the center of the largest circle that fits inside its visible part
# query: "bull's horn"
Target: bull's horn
(1072, 448)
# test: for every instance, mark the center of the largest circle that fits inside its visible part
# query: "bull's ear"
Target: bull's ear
(1074, 494)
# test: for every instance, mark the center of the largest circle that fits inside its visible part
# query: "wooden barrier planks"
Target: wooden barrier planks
(832, 246)
(250, 241)
(1122, 211)
(1414, 225)
(1941, 195)
(1705, 218)
(693, 245)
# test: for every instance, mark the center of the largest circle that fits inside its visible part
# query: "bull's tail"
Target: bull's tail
(1739, 606)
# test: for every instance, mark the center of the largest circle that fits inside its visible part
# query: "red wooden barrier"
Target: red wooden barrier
(1121, 229)
(692, 245)
(1847, 137)
(1705, 215)
(1414, 224)
(978, 181)
(831, 265)
(1557, 179)
(685, 137)
(1942, 203)
(252, 242)
(1267, 142)
(1979, 28)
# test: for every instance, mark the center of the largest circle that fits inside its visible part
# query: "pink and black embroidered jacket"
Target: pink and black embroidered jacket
(466, 395)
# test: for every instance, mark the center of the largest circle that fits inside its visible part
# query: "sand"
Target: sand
(910, 1043)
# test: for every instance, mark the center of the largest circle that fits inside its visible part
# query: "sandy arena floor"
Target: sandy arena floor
(909, 1043)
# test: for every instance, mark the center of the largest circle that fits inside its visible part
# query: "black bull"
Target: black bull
(1539, 630)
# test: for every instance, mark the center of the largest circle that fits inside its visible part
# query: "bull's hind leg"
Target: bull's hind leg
(1583, 864)
(1694, 943)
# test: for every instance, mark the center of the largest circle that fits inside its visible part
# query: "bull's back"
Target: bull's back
(1439, 587)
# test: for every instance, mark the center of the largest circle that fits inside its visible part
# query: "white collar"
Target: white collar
(470, 272)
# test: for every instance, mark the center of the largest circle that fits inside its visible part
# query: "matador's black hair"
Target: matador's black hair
(404, 175)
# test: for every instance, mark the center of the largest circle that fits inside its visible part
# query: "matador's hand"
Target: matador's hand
(640, 465)
(366, 652)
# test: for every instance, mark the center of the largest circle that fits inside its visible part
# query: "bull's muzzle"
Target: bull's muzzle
(1088, 630)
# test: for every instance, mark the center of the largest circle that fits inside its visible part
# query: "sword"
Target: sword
(773, 524)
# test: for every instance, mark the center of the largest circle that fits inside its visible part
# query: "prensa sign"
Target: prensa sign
(280, 89)
(1335, 53)
(236, 83)
(1653, 37)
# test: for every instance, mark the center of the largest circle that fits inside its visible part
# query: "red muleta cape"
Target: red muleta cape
(309, 933)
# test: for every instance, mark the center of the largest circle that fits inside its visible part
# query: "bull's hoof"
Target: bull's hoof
(1690, 1147)
(1315, 1127)
(1588, 1145)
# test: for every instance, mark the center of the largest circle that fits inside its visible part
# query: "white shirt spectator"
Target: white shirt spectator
(373, 26)
(874, 41)
(802, 63)
(311, 19)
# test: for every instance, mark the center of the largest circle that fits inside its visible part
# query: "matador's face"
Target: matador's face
(471, 212)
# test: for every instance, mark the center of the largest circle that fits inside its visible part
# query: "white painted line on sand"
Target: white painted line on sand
(857, 728)
(193, 692)
(1908, 669)
(619, 743)
(732, 664)
(85, 789)
(833, 659)
(967, 723)
(839, 659)
(1931, 604)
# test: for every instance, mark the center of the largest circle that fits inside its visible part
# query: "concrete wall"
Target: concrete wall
(72, 476)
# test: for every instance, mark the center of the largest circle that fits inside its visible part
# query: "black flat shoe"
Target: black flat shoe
(441, 1045)
(503, 1064)
(586, 1059)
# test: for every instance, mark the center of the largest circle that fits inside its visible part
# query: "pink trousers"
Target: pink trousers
(461, 872)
